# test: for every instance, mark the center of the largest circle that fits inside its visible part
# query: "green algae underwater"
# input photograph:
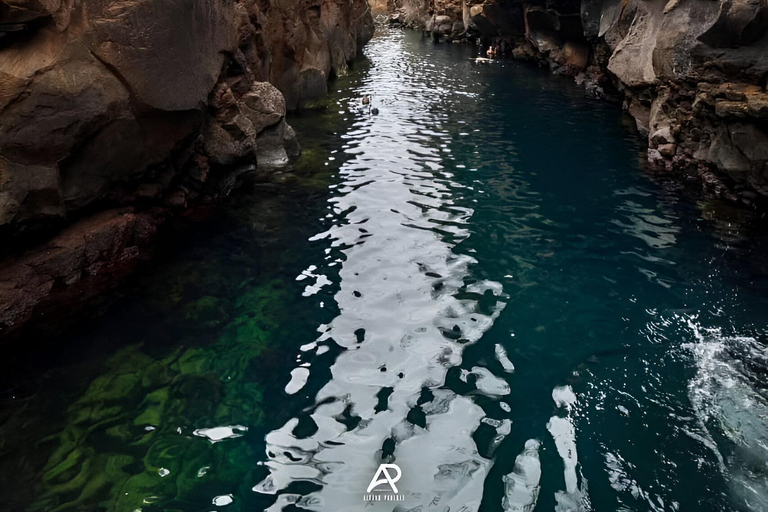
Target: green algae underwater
(122, 437)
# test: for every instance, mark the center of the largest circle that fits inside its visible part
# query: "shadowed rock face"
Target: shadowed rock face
(104, 103)
(692, 72)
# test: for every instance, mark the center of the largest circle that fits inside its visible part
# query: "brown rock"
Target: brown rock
(80, 262)
(169, 53)
(60, 111)
(739, 22)
(108, 99)
(120, 152)
(300, 45)
(575, 55)
(271, 148)
(176, 199)
(632, 61)
(149, 190)
(757, 105)
(750, 140)
(642, 115)
(723, 154)
(667, 150)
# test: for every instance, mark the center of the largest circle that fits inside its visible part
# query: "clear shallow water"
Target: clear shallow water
(479, 284)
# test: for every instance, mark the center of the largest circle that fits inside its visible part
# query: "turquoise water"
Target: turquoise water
(480, 284)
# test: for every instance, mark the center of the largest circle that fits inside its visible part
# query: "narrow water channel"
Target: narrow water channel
(479, 283)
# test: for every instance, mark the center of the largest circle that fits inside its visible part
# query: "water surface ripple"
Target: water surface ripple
(407, 305)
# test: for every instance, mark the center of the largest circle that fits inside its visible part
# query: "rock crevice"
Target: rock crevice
(691, 72)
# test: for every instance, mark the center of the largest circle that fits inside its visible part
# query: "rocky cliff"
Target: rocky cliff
(692, 72)
(138, 106)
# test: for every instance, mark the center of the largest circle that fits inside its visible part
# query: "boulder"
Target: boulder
(264, 105)
(632, 61)
(662, 136)
(276, 146)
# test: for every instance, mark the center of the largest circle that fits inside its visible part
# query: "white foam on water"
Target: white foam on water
(621, 481)
(724, 398)
(564, 396)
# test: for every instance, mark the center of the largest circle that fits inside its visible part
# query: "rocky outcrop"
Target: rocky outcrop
(74, 266)
(153, 103)
(692, 72)
(95, 94)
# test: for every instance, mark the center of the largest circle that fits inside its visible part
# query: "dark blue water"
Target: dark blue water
(480, 284)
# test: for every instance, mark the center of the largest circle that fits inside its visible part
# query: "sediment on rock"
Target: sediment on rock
(148, 104)
(692, 73)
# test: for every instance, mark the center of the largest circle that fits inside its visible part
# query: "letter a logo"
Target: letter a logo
(376, 481)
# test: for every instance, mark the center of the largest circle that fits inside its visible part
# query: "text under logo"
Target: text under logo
(383, 484)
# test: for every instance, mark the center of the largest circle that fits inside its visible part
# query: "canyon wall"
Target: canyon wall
(692, 72)
(113, 112)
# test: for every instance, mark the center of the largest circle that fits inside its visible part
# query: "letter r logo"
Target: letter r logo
(388, 479)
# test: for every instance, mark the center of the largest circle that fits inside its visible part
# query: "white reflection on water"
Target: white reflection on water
(396, 222)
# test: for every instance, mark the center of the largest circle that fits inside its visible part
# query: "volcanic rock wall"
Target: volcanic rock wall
(692, 72)
(109, 104)
(94, 93)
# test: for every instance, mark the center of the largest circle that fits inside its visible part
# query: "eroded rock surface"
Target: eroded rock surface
(691, 72)
(101, 91)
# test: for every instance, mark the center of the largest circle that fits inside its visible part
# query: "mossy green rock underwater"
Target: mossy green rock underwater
(136, 439)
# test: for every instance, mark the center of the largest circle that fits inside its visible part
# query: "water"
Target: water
(479, 284)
